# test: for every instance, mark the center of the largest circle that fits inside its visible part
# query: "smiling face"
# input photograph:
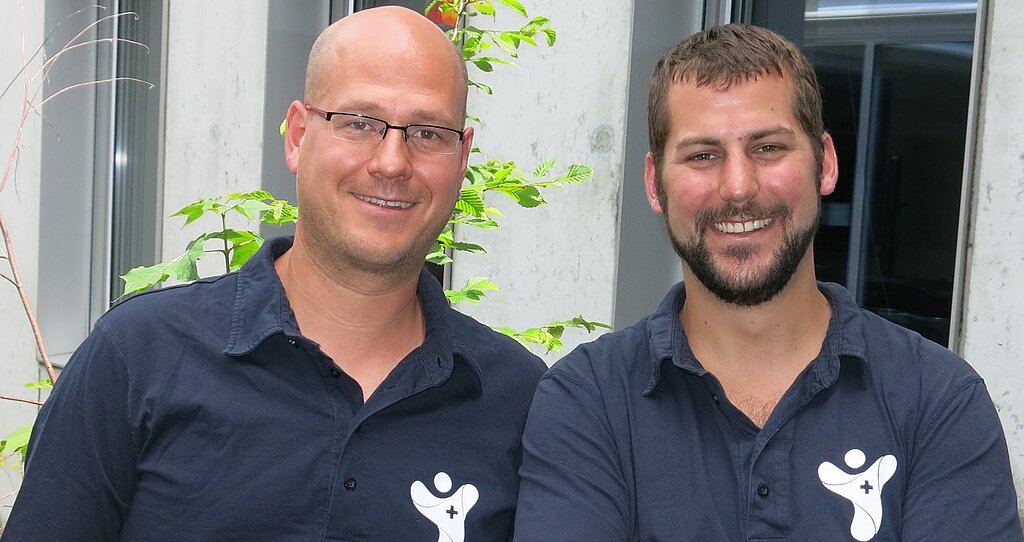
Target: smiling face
(377, 207)
(739, 187)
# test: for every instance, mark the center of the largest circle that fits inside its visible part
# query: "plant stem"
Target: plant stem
(20, 400)
(23, 294)
(227, 250)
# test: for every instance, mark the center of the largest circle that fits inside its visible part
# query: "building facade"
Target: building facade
(923, 99)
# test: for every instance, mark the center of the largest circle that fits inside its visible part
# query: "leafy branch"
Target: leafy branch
(236, 246)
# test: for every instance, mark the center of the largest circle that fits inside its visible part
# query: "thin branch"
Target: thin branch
(39, 49)
(17, 142)
(86, 84)
(8, 279)
(50, 61)
(15, 492)
(23, 294)
(20, 400)
(227, 258)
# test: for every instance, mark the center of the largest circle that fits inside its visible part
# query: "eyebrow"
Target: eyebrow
(753, 136)
(373, 109)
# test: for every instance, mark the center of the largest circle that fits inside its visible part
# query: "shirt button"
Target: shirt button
(762, 490)
(350, 483)
(335, 373)
(714, 397)
(293, 343)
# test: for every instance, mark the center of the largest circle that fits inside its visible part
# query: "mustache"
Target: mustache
(740, 213)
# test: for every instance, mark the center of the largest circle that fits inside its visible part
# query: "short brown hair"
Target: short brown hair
(723, 56)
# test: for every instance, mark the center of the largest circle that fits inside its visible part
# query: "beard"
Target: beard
(338, 250)
(747, 287)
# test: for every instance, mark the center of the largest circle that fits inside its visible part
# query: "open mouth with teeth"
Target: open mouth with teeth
(383, 202)
(742, 227)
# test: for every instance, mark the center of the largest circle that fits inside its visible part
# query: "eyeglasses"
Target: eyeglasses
(363, 129)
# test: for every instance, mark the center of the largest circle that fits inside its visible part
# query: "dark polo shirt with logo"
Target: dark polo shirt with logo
(884, 436)
(200, 412)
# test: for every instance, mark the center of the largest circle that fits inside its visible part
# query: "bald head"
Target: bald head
(392, 33)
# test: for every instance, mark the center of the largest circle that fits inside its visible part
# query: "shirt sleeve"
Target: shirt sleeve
(960, 486)
(80, 470)
(572, 483)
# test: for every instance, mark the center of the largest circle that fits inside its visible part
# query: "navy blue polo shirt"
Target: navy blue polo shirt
(201, 412)
(884, 436)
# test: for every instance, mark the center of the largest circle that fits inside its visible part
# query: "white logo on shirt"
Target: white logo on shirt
(862, 489)
(448, 513)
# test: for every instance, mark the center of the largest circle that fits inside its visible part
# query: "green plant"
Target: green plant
(35, 69)
(495, 176)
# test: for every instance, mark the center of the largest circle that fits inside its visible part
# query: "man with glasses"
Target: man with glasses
(756, 403)
(326, 391)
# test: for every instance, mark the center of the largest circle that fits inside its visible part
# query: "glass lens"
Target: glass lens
(356, 128)
(432, 139)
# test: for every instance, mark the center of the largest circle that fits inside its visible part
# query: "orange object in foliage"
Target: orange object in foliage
(449, 17)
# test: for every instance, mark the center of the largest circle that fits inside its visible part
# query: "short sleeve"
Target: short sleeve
(80, 469)
(572, 484)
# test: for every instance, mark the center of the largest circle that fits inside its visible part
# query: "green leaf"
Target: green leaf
(482, 223)
(483, 65)
(17, 442)
(474, 290)
(543, 168)
(577, 173)
(45, 383)
(193, 211)
(551, 35)
(284, 126)
(468, 247)
(514, 4)
(438, 258)
(485, 8)
(242, 252)
(507, 42)
(496, 60)
(528, 197)
(480, 86)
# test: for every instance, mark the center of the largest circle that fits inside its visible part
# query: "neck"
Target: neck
(756, 352)
(365, 324)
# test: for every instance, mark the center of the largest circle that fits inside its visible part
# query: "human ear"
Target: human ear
(651, 184)
(295, 130)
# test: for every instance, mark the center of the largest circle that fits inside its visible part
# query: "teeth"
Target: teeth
(384, 202)
(742, 227)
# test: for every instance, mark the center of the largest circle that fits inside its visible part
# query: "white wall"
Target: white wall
(568, 103)
(216, 74)
(19, 202)
(993, 330)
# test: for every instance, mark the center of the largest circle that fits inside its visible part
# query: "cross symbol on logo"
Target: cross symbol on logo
(451, 511)
(867, 487)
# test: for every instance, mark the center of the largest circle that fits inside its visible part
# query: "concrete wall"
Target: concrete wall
(992, 333)
(19, 203)
(555, 261)
(216, 76)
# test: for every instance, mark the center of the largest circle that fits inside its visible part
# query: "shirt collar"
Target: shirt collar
(261, 309)
(844, 340)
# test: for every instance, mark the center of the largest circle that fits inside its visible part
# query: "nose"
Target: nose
(739, 182)
(390, 158)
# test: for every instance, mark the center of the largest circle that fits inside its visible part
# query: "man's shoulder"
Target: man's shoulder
(197, 304)
(614, 358)
(490, 350)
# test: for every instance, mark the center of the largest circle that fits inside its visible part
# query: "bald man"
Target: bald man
(325, 391)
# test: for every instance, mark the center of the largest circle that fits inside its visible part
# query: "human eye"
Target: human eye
(428, 133)
(351, 126)
(769, 149)
(701, 157)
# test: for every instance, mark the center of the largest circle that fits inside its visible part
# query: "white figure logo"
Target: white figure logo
(448, 513)
(863, 489)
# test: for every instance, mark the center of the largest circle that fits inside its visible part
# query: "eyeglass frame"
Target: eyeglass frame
(326, 115)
